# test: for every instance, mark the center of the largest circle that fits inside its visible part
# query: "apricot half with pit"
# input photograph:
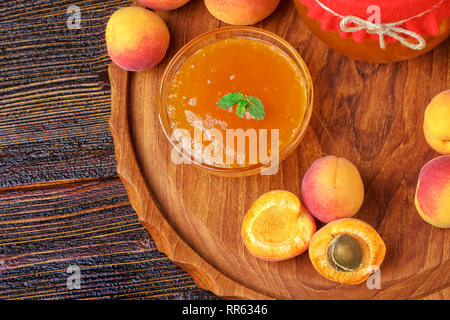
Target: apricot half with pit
(277, 226)
(347, 251)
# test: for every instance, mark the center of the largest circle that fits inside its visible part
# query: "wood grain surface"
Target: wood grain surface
(61, 202)
(89, 224)
(370, 114)
(55, 101)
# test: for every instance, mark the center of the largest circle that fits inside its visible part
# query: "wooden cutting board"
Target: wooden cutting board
(370, 114)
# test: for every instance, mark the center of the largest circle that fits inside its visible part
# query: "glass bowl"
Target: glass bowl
(222, 34)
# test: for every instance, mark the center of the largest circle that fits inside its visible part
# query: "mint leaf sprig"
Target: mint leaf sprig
(253, 105)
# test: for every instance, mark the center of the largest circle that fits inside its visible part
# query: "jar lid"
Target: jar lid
(406, 21)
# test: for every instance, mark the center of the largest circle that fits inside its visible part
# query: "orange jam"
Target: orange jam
(251, 67)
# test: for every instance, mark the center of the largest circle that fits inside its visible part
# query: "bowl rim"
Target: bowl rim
(282, 154)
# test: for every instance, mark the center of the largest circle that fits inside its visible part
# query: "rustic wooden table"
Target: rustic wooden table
(61, 202)
(62, 206)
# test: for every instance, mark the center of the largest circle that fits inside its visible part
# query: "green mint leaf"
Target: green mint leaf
(241, 108)
(255, 107)
(230, 100)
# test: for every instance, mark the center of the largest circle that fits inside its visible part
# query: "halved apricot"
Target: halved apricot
(277, 226)
(347, 251)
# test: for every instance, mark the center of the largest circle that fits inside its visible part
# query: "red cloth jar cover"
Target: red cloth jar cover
(399, 20)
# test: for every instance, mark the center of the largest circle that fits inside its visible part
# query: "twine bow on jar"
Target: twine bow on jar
(391, 29)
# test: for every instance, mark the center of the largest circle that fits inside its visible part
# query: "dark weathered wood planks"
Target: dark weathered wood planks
(61, 203)
(55, 98)
(89, 224)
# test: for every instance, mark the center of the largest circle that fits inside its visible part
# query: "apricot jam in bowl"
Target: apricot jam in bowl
(235, 101)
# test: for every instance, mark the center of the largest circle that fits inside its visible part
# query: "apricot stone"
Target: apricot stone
(136, 38)
(332, 189)
(241, 12)
(163, 4)
(436, 125)
(347, 251)
(433, 192)
(277, 226)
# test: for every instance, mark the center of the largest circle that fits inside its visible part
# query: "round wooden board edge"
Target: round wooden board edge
(142, 201)
(166, 238)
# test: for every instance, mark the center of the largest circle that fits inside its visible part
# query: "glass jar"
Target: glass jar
(330, 22)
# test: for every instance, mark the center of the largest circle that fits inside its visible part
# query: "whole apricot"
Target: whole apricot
(241, 12)
(347, 251)
(277, 226)
(136, 38)
(163, 4)
(332, 188)
(436, 124)
(432, 198)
